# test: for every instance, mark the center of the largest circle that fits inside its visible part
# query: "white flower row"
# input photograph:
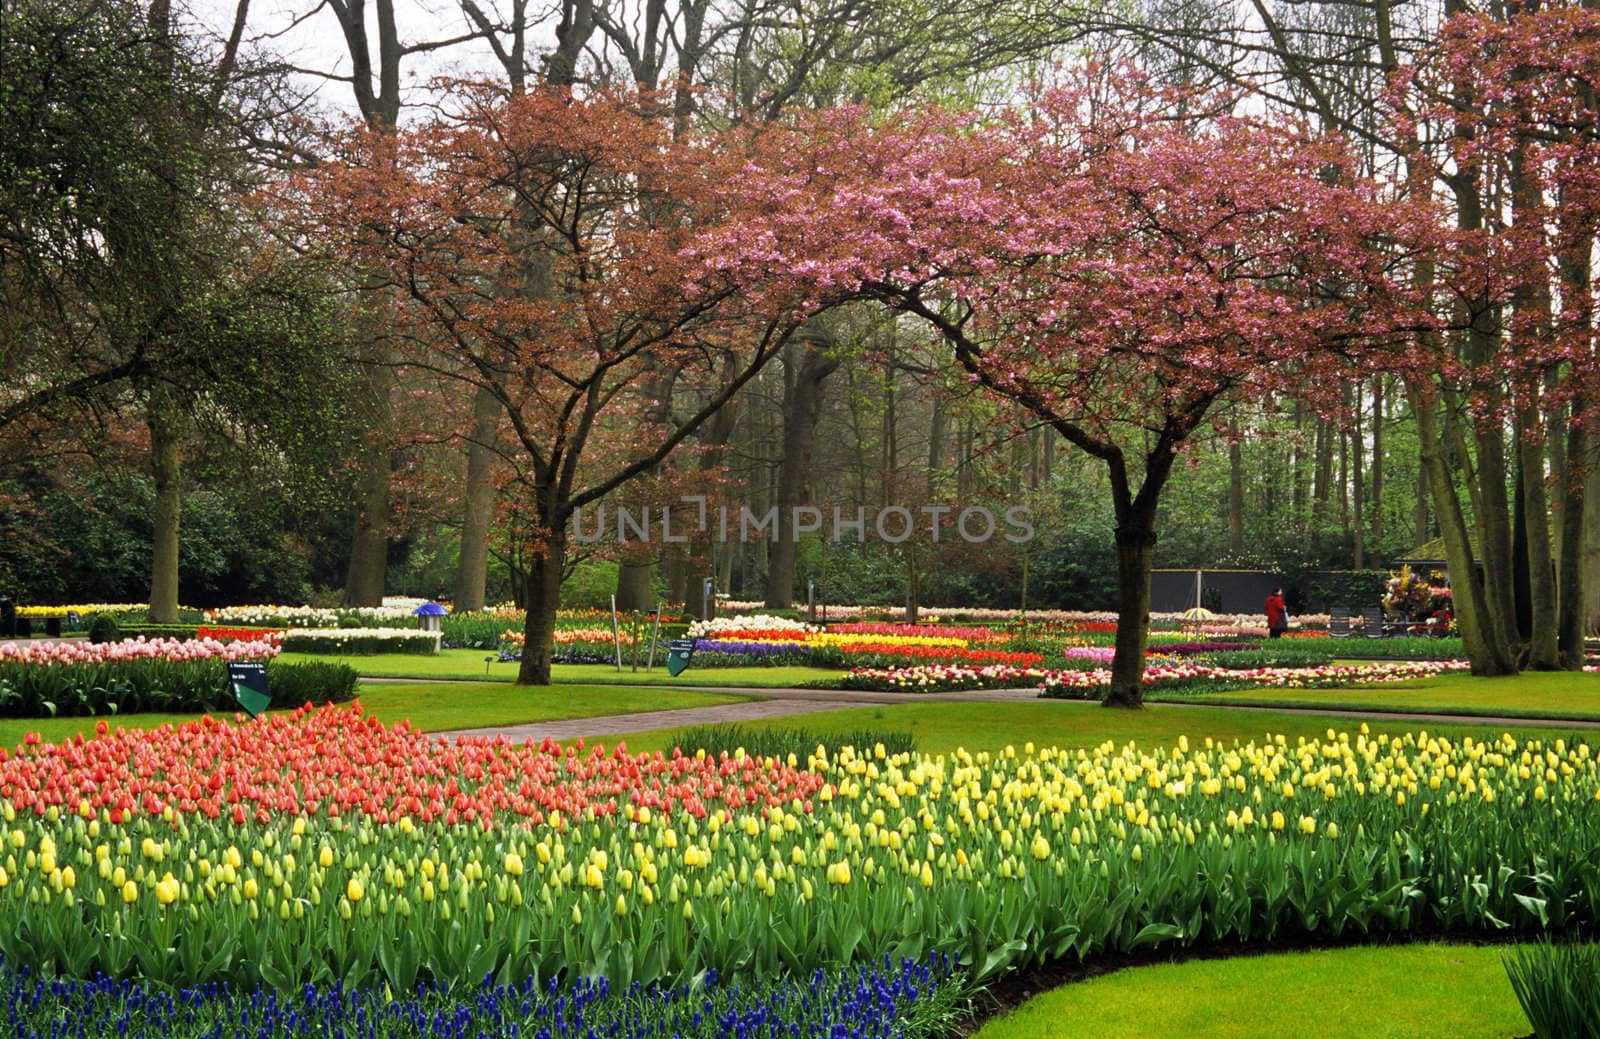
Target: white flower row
(270, 616)
(757, 622)
(344, 636)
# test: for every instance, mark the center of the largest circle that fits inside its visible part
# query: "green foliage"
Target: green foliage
(474, 630)
(590, 585)
(104, 628)
(1356, 589)
(314, 682)
(780, 742)
(1558, 986)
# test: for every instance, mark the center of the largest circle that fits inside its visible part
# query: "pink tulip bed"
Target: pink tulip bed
(47, 679)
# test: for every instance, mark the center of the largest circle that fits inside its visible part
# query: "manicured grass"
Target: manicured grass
(430, 707)
(1409, 991)
(1533, 694)
(471, 665)
(943, 727)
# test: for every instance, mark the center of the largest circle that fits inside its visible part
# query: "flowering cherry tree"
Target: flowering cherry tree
(533, 246)
(1114, 269)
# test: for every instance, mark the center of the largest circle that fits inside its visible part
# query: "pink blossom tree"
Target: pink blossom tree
(533, 246)
(1113, 268)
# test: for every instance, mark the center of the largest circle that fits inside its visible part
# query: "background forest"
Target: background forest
(195, 409)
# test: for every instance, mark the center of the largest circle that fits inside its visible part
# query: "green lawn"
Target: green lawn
(1404, 992)
(476, 665)
(942, 727)
(431, 708)
(1533, 694)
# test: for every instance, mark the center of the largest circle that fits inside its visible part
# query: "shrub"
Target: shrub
(1558, 987)
(293, 684)
(104, 628)
(781, 742)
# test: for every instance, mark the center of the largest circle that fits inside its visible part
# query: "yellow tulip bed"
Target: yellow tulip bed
(376, 856)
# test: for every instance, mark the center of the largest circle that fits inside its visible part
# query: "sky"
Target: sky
(308, 36)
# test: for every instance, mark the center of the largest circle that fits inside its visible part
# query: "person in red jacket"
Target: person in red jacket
(1277, 614)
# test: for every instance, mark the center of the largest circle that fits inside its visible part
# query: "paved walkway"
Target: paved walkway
(781, 703)
(765, 703)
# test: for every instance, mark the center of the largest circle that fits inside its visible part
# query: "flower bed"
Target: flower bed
(1210, 678)
(869, 1002)
(238, 634)
(314, 617)
(767, 640)
(940, 678)
(360, 641)
(163, 675)
(324, 846)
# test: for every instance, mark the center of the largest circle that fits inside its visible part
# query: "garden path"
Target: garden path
(780, 703)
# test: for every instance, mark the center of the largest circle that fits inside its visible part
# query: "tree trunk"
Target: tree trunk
(1377, 463)
(1543, 642)
(1421, 521)
(1235, 492)
(633, 587)
(1591, 540)
(472, 565)
(1321, 484)
(542, 593)
(801, 407)
(1136, 542)
(1358, 477)
(1486, 648)
(166, 466)
(1521, 588)
(369, 542)
(1570, 576)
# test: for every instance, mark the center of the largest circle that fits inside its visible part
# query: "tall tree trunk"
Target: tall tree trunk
(1486, 647)
(472, 565)
(802, 405)
(633, 586)
(1297, 468)
(1136, 544)
(1377, 463)
(1591, 539)
(1358, 478)
(369, 542)
(1420, 522)
(1235, 492)
(542, 594)
(1521, 586)
(1570, 574)
(1543, 642)
(1321, 483)
(166, 466)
